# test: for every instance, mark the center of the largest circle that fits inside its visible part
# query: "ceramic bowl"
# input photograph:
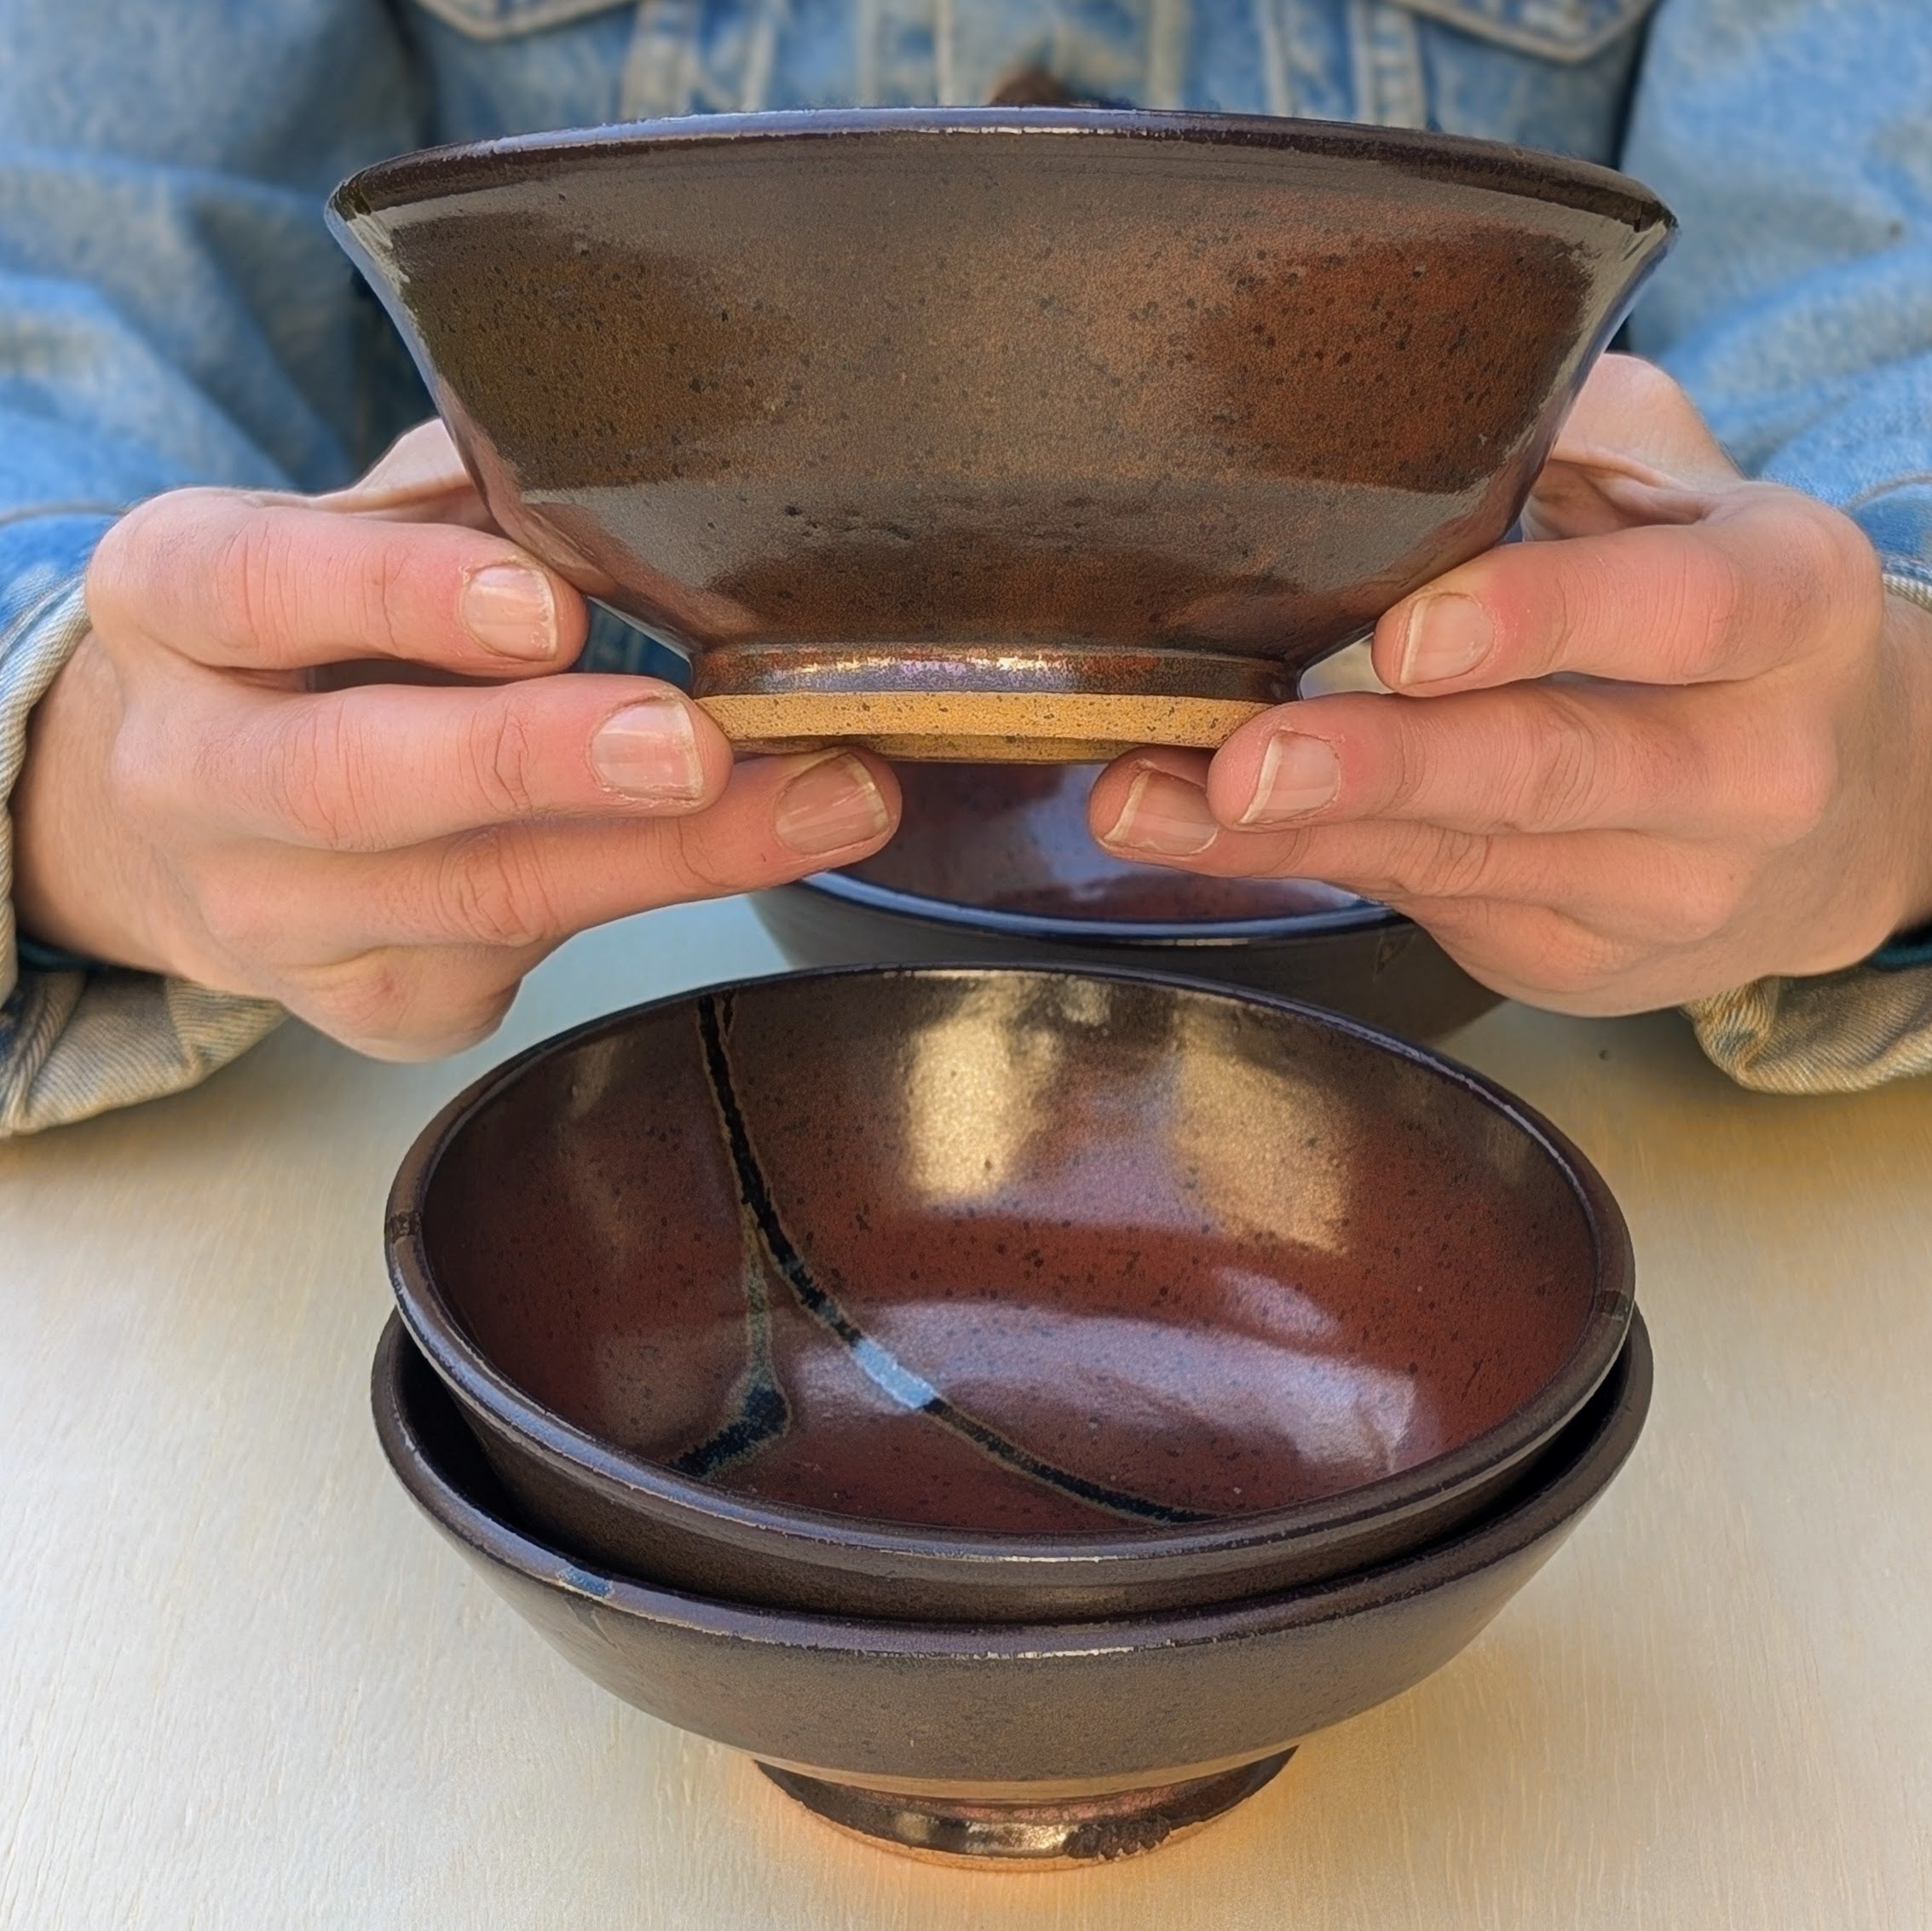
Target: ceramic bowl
(990, 1293)
(1021, 432)
(995, 862)
(1051, 1743)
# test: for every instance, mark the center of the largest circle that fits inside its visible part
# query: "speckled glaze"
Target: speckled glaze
(995, 863)
(962, 1723)
(1002, 1293)
(940, 427)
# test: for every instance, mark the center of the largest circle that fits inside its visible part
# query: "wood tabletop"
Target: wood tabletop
(243, 1683)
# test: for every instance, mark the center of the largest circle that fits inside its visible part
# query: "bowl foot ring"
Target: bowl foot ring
(1065, 1833)
(1059, 705)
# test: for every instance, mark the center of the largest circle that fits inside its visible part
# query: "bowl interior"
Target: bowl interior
(1010, 1251)
(1013, 838)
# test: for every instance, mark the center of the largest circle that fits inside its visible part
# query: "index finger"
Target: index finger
(268, 583)
(1765, 578)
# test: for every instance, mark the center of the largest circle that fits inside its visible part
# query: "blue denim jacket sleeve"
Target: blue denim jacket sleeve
(1794, 144)
(171, 310)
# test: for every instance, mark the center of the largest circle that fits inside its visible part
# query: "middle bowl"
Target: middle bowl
(994, 864)
(1001, 1295)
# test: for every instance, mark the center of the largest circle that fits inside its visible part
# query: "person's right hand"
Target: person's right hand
(386, 860)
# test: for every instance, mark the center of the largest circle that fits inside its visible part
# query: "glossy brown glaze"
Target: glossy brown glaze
(995, 862)
(1028, 1291)
(1062, 401)
(965, 1722)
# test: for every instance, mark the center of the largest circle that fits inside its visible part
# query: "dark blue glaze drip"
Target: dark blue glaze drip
(751, 1424)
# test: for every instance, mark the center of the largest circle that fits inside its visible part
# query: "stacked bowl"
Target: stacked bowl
(1014, 1406)
(1013, 1402)
(994, 863)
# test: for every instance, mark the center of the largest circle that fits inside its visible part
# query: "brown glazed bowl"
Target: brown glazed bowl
(991, 1294)
(1018, 432)
(995, 863)
(1022, 1746)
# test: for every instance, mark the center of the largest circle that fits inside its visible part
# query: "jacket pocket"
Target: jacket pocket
(503, 20)
(1551, 30)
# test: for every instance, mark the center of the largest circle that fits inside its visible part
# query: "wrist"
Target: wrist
(1908, 623)
(74, 863)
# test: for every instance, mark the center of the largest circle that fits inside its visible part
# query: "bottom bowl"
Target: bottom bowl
(994, 864)
(1016, 1745)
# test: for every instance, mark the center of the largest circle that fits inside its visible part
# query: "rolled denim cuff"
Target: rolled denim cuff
(1843, 1032)
(76, 1040)
(1840, 1032)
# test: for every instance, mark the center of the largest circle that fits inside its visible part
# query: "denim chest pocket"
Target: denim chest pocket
(1552, 30)
(1553, 74)
(1549, 30)
(505, 19)
(1543, 73)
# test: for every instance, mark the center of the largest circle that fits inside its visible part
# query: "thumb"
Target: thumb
(1634, 451)
(418, 479)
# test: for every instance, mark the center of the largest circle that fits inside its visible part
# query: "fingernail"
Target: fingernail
(509, 609)
(1448, 634)
(1298, 776)
(650, 750)
(1164, 815)
(829, 805)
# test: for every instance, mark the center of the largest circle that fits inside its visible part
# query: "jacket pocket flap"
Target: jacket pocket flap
(503, 20)
(1552, 30)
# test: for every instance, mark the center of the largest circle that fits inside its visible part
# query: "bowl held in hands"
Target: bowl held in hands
(1019, 432)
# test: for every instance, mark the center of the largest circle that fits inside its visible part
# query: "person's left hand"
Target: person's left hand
(1683, 741)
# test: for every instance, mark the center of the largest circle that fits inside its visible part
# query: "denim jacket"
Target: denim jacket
(172, 311)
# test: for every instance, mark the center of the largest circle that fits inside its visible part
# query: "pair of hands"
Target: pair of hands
(1682, 739)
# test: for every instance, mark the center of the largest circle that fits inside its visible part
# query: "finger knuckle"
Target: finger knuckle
(395, 1026)
(1704, 609)
(1563, 600)
(253, 580)
(1442, 863)
(132, 561)
(1805, 786)
(388, 581)
(1577, 963)
(1408, 766)
(707, 855)
(243, 920)
(144, 786)
(1847, 581)
(472, 1022)
(1705, 901)
(687, 868)
(495, 891)
(114, 564)
(499, 760)
(1550, 778)
(318, 779)
(365, 1002)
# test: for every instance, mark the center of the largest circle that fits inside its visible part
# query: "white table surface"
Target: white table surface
(243, 1683)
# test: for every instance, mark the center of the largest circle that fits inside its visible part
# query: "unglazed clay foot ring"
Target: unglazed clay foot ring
(1040, 705)
(1061, 1834)
(977, 727)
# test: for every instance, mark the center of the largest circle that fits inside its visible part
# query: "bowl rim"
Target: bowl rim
(1065, 929)
(456, 168)
(634, 1482)
(1557, 1498)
